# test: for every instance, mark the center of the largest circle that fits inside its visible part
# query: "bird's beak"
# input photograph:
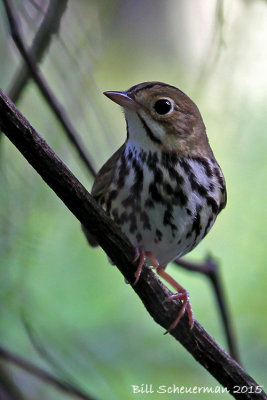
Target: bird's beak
(123, 99)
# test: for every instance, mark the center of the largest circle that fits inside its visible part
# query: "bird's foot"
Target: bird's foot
(182, 295)
(141, 254)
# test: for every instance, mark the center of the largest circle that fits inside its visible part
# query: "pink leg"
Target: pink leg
(182, 295)
(141, 254)
(155, 262)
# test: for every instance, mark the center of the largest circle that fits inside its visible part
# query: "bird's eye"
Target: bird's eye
(163, 106)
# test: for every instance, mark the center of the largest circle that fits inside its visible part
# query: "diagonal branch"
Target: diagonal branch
(8, 389)
(58, 369)
(43, 375)
(149, 288)
(42, 84)
(210, 269)
(40, 44)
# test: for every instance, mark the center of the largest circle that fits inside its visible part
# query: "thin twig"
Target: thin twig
(8, 389)
(42, 40)
(59, 370)
(210, 269)
(43, 375)
(150, 289)
(42, 84)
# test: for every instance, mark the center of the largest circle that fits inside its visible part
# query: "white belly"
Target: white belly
(169, 229)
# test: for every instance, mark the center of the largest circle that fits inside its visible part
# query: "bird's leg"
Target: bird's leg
(210, 268)
(141, 254)
(182, 295)
(155, 263)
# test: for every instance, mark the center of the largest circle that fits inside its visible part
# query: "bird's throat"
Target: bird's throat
(143, 131)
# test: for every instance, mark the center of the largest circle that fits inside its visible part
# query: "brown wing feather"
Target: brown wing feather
(101, 184)
(223, 200)
(104, 176)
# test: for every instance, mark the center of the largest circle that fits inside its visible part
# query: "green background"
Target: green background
(89, 321)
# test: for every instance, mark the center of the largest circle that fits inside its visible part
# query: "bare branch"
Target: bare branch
(43, 375)
(149, 288)
(59, 370)
(8, 389)
(210, 269)
(46, 91)
(41, 42)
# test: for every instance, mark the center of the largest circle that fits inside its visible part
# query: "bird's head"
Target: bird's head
(163, 117)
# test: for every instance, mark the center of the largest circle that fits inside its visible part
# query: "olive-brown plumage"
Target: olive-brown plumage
(163, 186)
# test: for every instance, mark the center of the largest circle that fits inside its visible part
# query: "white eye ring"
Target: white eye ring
(163, 106)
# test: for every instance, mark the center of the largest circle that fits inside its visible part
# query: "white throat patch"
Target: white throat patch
(143, 130)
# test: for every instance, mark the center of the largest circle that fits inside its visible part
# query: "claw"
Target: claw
(182, 295)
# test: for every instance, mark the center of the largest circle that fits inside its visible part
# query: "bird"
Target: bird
(163, 187)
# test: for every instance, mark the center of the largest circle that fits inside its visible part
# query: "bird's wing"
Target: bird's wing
(105, 175)
(223, 200)
(101, 184)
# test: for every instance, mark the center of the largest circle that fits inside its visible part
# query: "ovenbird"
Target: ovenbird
(163, 186)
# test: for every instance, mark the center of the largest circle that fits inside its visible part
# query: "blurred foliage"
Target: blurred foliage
(86, 317)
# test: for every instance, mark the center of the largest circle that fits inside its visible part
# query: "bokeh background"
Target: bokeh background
(77, 306)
